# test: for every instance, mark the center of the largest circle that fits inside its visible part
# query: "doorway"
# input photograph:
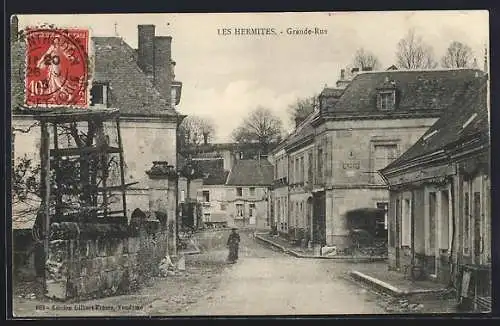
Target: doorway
(319, 218)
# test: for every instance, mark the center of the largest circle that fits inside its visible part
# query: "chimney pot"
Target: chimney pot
(342, 73)
(163, 68)
(145, 51)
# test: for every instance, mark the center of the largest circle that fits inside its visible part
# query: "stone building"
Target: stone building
(140, 83)
(247, 188)
(326, 170)
(440, 198)
(212, 193)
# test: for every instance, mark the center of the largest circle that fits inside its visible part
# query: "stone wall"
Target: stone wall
(107, 264)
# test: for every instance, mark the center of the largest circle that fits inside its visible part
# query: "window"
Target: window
(320, 164)
(385, 207)
(310, 167)
(444, 242)
(239, 191)
(206, 217)
(239, 210)
(406, 224)
(382, 156)
(98, 94)
(392, 225)
(466, 219)
(183, 196)
(278, 209)
(302, 169)
(432, 223)
(251, 210)
(297, 171)
(206, 196)
(476, 227)
(386, 101)
(252, 191)
(223, 206)
(302, 213)
(297, 214)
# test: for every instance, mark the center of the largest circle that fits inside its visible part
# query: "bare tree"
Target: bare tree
(260, 126)
(207, 130)
(458, 55)
(302, 107)
(413, 53)
(365, 59)
(195, 130)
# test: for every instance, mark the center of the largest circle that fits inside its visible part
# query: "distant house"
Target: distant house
(247, 187)
(212, 193)
(440, 198)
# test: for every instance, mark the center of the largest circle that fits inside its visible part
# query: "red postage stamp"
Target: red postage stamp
(57, 67)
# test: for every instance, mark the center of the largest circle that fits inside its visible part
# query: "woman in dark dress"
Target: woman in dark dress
(233, 243)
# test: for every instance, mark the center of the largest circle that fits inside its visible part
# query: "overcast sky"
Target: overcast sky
(225, 77)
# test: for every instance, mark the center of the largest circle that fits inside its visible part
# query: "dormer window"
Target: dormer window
(386, 100)
(99, 94)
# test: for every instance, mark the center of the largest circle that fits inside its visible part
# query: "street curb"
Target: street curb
(390, 289)
(298, 255)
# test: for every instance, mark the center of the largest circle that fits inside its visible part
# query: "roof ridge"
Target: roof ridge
(134, 65)
(414, 70)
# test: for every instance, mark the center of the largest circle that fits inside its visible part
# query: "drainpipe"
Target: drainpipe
(453, 232)
(288, 193)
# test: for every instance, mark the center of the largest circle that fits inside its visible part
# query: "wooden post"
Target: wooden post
(122, 170)
(45, 188)
(57, 172)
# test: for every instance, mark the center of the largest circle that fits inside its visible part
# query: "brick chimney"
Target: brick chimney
(14, 28)
(146, 49)
(342, 74)
(367, 69)
(163, 66)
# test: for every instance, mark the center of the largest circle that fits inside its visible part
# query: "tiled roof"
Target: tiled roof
(333, 92)
(130, 89)
(251, 173)
(418, 91)
(212, 171)
(115, 63)
(449, 128)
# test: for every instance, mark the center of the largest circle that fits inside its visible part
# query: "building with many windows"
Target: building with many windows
(247, 190)
(325, 172)
(440, 192)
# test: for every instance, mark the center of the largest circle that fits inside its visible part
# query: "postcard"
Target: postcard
(244, 164)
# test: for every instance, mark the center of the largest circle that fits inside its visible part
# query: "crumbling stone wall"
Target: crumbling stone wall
(108, 260)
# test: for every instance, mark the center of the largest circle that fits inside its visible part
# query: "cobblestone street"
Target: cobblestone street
(263, 282)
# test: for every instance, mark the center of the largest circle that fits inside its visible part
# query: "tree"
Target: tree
(365, 59)
(413, 53)
(302, 107)
(73, 175)
(458, 55)
(260, 126)
(195, 130)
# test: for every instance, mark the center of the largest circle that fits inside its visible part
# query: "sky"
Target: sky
(225, 77)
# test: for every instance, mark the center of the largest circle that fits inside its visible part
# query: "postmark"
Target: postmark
(56, 73)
